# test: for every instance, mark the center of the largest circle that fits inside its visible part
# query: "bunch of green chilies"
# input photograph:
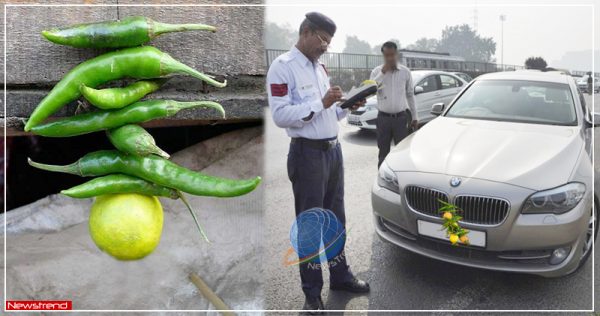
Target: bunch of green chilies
(139, 165)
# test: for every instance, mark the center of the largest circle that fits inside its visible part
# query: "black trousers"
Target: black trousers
(389, 128)
(317, 177)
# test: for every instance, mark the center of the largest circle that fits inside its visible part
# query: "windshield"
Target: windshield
(517, 101)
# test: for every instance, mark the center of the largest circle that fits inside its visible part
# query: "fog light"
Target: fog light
(559, 255)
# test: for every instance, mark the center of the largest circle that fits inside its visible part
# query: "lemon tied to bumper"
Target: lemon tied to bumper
(126, 226)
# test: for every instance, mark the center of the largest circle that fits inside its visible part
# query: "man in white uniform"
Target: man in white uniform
(302, 101)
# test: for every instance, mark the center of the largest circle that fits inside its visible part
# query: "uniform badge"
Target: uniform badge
(279, 90)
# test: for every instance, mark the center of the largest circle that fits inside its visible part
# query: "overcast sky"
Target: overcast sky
(559, 31)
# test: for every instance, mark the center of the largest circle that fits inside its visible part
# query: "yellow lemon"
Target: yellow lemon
(453, 238)
(447, 215)
(126, 226)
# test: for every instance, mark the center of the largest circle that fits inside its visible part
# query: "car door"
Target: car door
(430, 95)
(450, 87)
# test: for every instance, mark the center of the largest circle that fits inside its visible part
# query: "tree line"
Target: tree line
(459, 40)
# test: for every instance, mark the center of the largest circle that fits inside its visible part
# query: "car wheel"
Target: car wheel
(590, 236)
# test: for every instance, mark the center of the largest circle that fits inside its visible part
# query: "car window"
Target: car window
(517, 101)
(429, 84)
(465, 77)
(449, 82)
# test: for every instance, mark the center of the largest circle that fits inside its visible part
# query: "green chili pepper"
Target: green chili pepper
(118, 183)
(137, 62)
(134, 140)
(121, 183)
(129, 32)
(154, 169)
(116, 98)
(135, 113)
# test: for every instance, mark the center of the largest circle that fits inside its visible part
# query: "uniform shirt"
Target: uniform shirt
(396, 92)
(295, 86)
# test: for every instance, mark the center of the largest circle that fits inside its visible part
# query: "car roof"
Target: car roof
(530, 75)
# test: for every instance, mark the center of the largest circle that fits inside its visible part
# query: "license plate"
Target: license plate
(434, 230)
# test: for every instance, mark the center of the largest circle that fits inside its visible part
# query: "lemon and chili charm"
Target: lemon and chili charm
(126, 218)
(456, 234)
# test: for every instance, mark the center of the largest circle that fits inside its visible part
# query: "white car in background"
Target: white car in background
(464, 76)
(430, 87)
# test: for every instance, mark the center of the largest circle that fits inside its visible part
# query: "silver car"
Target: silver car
(512, 151)
(430, 87)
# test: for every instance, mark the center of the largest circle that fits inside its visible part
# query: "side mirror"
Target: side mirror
(418, 89)
(437, 109)
(595, 122)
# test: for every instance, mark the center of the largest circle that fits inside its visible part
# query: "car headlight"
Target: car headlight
(387, 178)
(558, 200)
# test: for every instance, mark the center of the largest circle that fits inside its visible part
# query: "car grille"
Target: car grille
(482, 210)
(475, 209)
(424, 200)
(372, 122)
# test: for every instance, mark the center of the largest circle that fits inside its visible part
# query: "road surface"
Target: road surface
(398, 278)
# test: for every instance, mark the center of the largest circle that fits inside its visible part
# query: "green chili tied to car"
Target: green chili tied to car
(128, 32)
(116, 98)
(122, 183)
(154, 169)
(138, 62)
(135, 113)
(135, 140)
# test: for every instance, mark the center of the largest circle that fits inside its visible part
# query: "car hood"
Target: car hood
(533, 156)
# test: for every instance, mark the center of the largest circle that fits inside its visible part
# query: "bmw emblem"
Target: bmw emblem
(455, 181)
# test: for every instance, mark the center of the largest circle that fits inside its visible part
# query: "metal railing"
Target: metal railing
(346, 70)
(368, 61)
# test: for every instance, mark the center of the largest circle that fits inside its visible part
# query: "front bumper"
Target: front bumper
(362, 119)
(522, 243)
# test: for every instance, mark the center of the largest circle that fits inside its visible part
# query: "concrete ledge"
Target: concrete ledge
(243, 100)
(236, 48)
(235, 52)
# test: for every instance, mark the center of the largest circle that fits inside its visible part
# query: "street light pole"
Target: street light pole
(502, 19)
